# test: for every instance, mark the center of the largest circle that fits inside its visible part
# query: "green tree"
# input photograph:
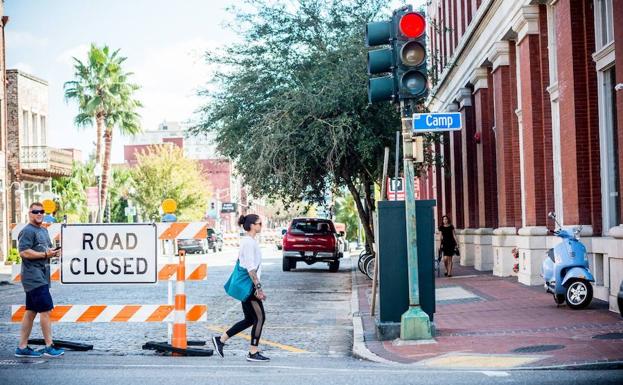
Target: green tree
(291, 107)
(162, 172)
(119, 193)
(72, 200)
(103, 93)
(346, 212)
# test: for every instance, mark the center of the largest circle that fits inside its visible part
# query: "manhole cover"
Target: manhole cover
(609, 336)
(538, 348)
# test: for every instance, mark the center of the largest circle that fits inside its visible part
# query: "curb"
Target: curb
(359, 345)
(361, 351)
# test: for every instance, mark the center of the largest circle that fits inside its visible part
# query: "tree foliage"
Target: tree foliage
(290, 106)
(163, 172)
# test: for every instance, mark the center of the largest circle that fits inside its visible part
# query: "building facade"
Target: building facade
(217, 170)
(538, 86)
(4, 216)
(31, 163)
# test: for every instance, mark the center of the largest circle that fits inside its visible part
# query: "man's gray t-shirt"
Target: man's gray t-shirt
(35, 272)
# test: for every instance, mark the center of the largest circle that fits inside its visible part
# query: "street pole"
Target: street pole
(414, 323)
(396, 166)
(99, 200)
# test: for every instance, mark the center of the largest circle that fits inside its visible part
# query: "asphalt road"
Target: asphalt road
(308, 335)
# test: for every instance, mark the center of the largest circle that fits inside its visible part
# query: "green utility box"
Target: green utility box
(393, 264)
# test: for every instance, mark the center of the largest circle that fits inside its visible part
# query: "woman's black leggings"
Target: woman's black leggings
(253, 316)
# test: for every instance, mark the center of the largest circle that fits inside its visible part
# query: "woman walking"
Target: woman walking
(448, 243)
(250, 258)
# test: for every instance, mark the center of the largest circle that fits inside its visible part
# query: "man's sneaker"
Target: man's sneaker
(26, 352)
(257, 357)
(218, 345)
(51, 351)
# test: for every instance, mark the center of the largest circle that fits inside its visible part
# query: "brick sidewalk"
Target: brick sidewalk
(495, 317)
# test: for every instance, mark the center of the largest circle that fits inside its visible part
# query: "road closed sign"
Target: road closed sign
(109, 253)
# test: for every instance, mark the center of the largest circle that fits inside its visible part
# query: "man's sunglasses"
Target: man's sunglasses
(36, 212)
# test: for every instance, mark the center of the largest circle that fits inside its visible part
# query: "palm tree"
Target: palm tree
(122, 114)
(105, 96)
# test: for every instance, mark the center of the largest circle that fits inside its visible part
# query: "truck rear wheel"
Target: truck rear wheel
(334, 266)
(286, 264)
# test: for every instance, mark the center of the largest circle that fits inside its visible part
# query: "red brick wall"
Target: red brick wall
(617, 6)
(579, 129)
(536, 113)
(470, 171)
(487, 178)
(507, 143)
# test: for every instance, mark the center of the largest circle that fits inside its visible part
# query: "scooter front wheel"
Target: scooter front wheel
(579, 293)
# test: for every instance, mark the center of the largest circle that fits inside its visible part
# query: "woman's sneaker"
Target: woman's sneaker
(51, 351)
(218, 345)
(257, 357)
(27, 352)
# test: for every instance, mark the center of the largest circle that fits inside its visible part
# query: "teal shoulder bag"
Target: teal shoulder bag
(239, 284)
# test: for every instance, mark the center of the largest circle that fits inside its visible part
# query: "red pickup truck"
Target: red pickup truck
(311, 240)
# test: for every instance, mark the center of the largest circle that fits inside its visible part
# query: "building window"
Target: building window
(610, 159)
(43, 129)
(603, 23)
(35, 130)
(25, 128)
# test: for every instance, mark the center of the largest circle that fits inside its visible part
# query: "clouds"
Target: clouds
(18, 39)
(79, 52)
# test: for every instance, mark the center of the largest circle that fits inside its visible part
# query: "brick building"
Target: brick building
(4, 238)
(535, 82)
(225, 187)
(31, 163)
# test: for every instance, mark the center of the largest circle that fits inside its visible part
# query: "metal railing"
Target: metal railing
(44, 158)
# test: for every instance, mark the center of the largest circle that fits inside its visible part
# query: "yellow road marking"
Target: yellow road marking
(462, 360)
(247, 337)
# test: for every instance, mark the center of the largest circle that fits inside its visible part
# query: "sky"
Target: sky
(163, 41)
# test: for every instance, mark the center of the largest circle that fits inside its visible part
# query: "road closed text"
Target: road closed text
(109, 254)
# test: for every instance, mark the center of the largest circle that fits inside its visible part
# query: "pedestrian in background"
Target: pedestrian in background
(35, 248)
(250, 258)
(448, 243)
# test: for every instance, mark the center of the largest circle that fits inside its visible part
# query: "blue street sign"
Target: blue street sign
(437, 121)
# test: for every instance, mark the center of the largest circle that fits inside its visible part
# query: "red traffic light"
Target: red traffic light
(412, 25)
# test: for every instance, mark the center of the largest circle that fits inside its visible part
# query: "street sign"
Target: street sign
(396, 187)
(129, 210)
(228, 208)
(437, 122)
(92, 197)
(109, 253)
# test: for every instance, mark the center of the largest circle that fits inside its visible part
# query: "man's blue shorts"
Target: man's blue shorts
(39, 299)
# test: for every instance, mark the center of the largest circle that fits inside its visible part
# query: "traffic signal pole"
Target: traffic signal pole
(414, 323)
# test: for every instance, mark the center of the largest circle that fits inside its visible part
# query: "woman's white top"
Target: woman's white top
(250, 255)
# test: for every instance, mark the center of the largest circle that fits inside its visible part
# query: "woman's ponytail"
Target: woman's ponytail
(241, 220)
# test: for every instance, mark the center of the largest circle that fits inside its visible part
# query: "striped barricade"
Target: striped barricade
(166, 272)
(115, 313)
(54, 229)
(166, 231)
(231, 239)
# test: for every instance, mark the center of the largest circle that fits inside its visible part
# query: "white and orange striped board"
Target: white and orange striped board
(54, 229)
(166, 231)
(182, 230)
(166, 272)
(115, 313)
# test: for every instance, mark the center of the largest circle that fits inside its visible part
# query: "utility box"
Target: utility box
(393, 263)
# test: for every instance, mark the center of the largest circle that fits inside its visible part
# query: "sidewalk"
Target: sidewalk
(482, 320)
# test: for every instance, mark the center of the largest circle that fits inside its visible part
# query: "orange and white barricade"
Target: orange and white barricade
(54, 229)
(116, 313)
(166, 272)
(231, 239)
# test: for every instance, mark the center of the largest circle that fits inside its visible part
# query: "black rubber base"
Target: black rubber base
(164, 347)
(77, 346)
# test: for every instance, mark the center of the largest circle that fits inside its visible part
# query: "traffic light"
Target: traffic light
(380, 61)
(404, 62)
(410, 54)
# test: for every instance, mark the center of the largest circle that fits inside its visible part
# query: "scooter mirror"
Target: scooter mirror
(552, 215)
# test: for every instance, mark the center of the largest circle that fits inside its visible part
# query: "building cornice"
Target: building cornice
(499, 54)
(526, 22)
(479, 78)
(464, 97)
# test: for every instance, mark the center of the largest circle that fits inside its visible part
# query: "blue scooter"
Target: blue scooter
(565, 269)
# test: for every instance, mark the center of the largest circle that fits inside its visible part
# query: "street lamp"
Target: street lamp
(97, 171)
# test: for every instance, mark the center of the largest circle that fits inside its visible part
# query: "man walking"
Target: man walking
(35, 248)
